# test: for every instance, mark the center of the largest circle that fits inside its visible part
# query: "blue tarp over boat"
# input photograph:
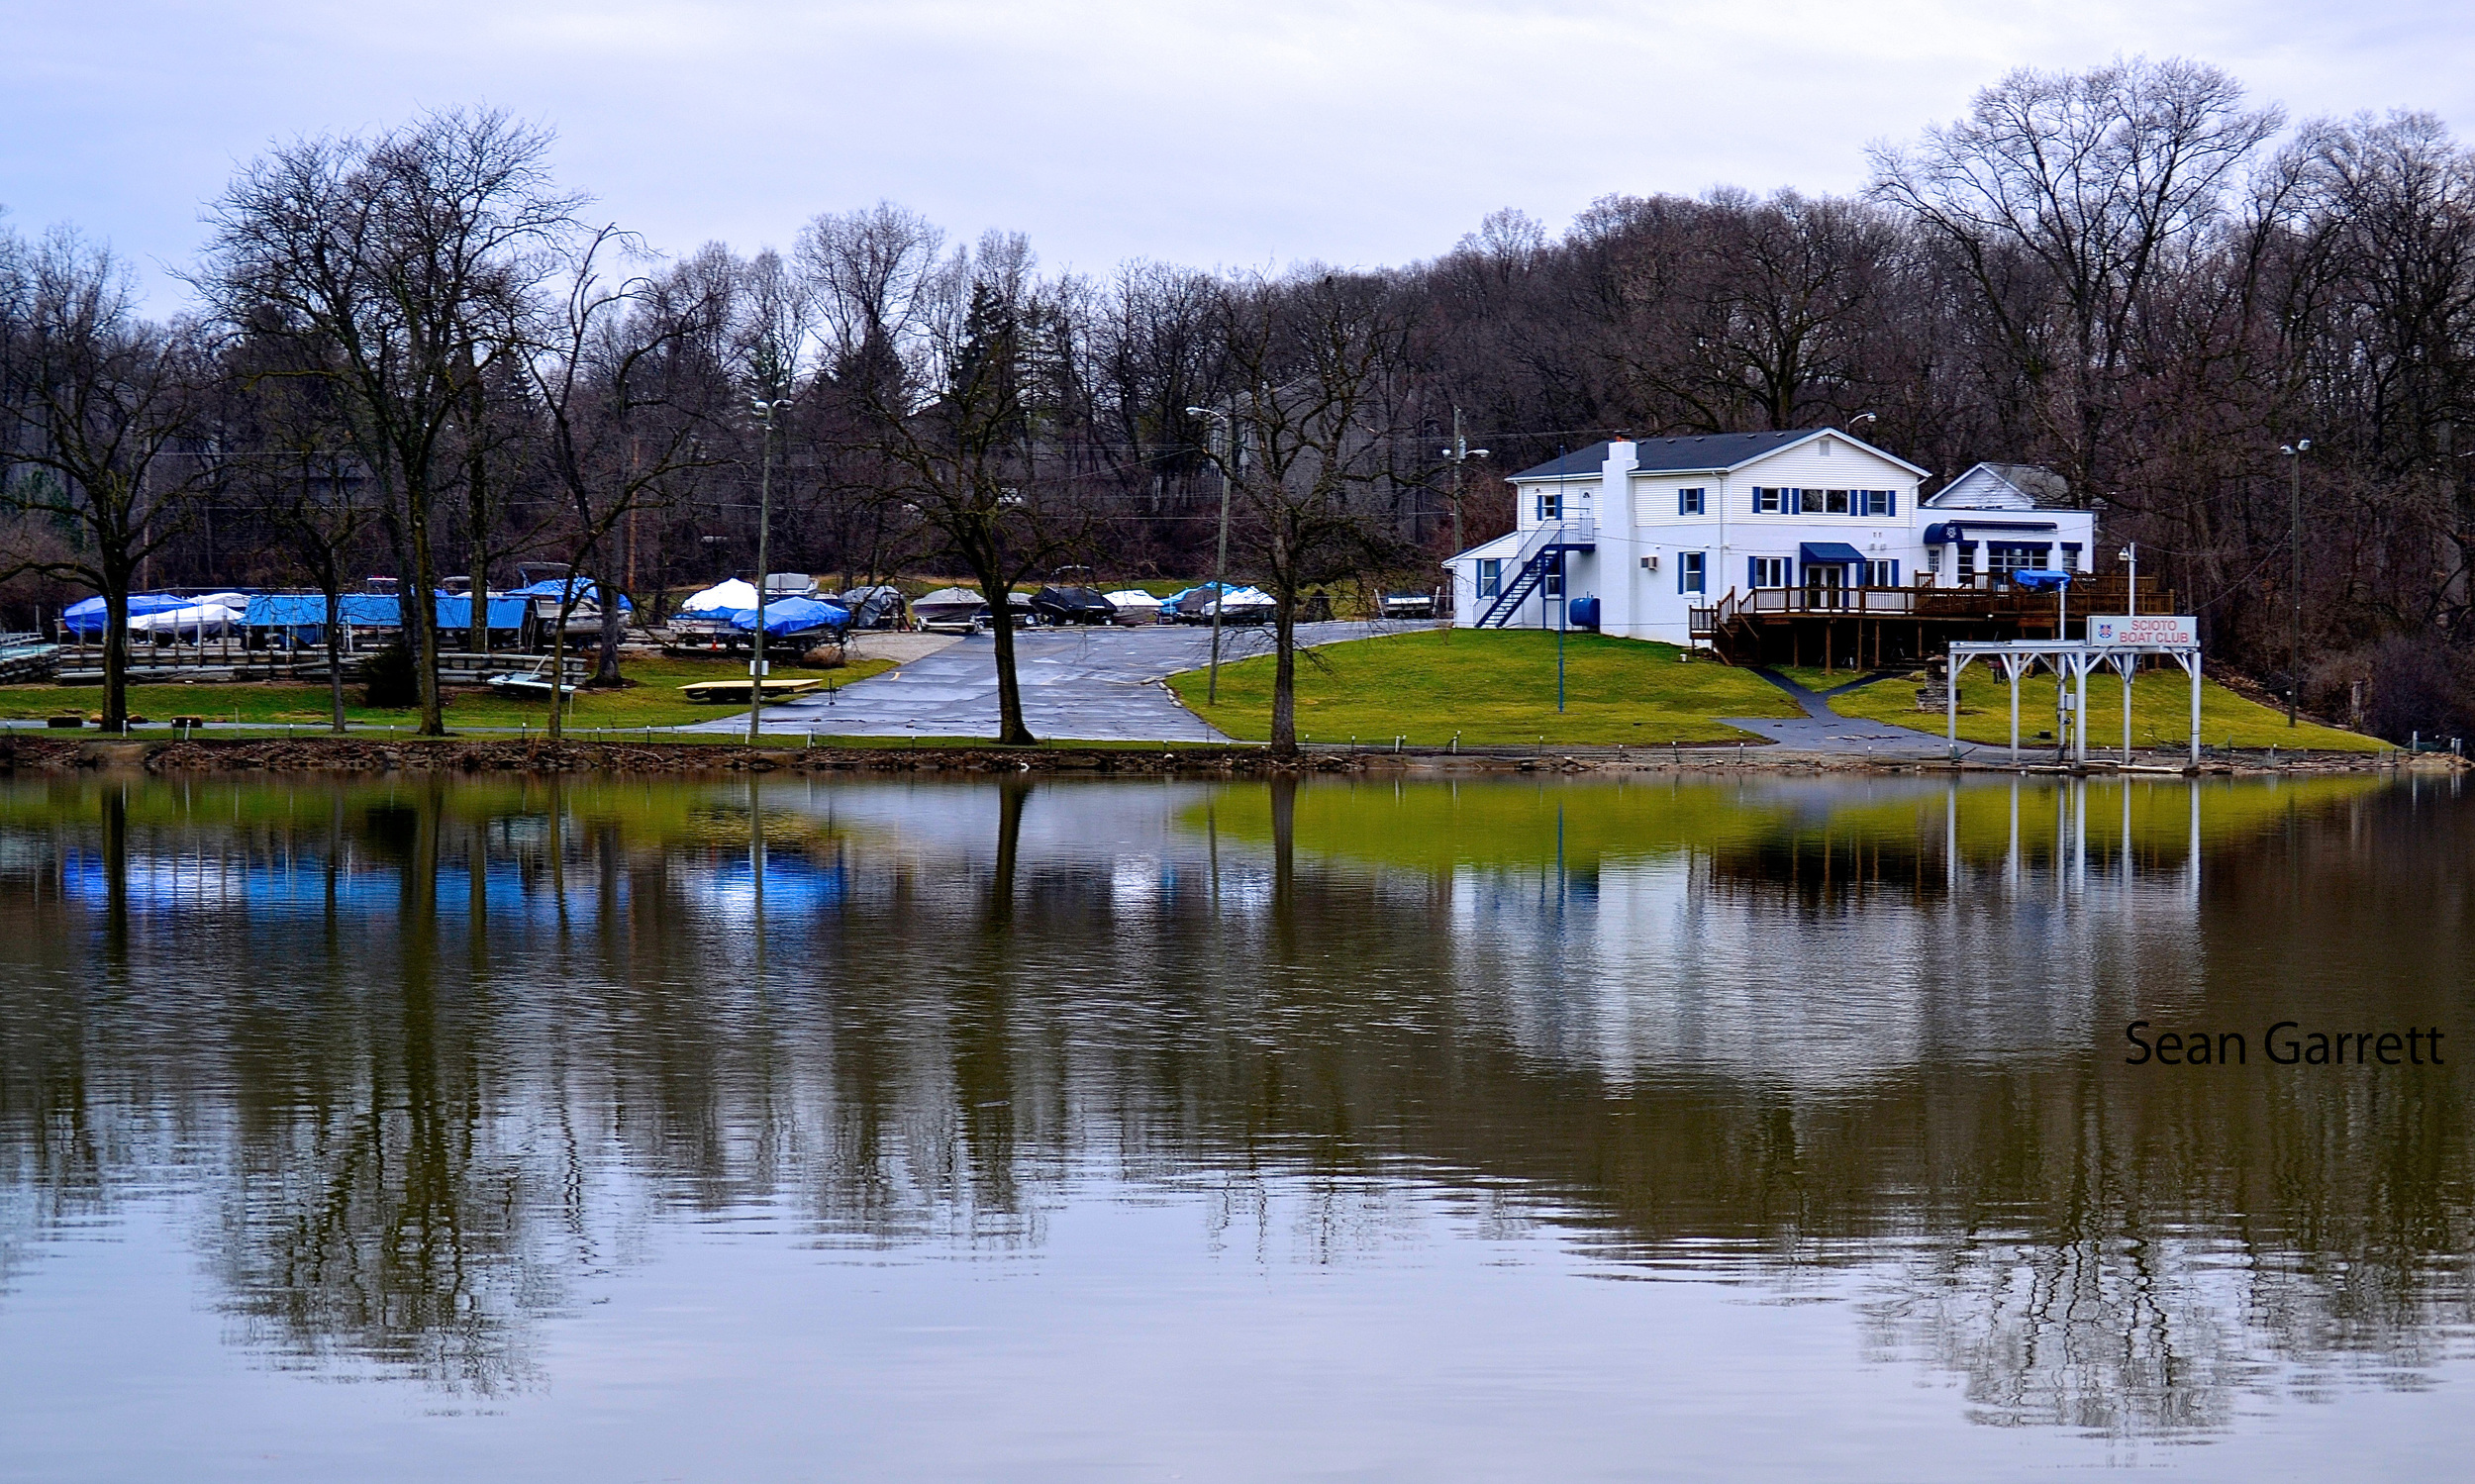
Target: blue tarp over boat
(555, 589)
(792, 616)
(87, 616)
(372, 610)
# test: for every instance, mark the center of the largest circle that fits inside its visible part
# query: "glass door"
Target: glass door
(1826, 585)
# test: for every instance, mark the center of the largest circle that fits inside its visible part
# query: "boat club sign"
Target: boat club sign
(2145, 629)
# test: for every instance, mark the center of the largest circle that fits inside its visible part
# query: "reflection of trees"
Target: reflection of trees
(463, 1089)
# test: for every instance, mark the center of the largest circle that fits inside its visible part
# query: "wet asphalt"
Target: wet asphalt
(1095, 684)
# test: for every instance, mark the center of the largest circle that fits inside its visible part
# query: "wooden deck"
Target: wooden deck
(1871, 627)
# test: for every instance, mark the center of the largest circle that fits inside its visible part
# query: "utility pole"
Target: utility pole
(1219, 562)
(1459, 453)
(765, 412)
(2294, 452)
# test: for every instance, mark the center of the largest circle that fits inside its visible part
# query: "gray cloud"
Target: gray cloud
(1360, 132)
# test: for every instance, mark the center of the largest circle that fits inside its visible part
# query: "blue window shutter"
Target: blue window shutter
(1894, 571)
(1890, 501)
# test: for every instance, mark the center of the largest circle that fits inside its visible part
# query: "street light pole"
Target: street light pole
(1219, 562)
(1459, 453)
(765, 413)
(2294, 452)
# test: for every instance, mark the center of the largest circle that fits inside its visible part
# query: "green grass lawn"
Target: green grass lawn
(654, 700)
(1493, 687)
(2160, 713)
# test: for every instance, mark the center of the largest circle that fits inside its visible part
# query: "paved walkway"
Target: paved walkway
(1821, 729)
(1078, 685)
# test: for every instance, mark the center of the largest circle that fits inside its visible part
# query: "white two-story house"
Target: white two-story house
(1631, 537)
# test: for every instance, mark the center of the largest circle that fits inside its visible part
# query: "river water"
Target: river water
(618, 1130)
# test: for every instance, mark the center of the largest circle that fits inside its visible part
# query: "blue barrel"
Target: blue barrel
(1582, 612)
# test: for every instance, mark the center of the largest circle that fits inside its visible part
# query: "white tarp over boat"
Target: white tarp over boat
(1132, 597)
(734, 596)
(211, 615)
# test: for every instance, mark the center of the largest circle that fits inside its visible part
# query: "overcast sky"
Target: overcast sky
(1197, 130)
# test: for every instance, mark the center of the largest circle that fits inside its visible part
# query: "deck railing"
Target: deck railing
(2088, 594)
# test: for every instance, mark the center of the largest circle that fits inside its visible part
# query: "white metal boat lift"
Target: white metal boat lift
(2071, 664)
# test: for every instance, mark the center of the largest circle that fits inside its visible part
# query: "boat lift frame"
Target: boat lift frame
(2070, 662)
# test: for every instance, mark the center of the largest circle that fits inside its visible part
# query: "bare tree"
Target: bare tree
(620, 421)
(404, 264)
(956, 365)
(2064, 197)
(100, 426)
(1316, 367)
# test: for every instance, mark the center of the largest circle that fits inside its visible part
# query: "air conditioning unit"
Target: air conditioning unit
(1649, 563)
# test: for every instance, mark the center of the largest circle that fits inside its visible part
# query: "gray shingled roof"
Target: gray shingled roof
(1655, 456)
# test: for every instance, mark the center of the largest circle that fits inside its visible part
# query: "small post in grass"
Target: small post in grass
(1564, 608)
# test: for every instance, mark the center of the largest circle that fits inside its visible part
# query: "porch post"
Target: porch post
(1950, 698)
(2079, 722)
(2122, 666)
(2194, 666)
(2012, 664)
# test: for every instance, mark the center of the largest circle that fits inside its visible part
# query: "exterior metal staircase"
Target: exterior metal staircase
(1539, 550)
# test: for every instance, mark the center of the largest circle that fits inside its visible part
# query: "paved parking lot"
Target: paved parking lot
(1078, 685)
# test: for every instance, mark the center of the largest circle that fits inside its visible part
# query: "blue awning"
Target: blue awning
(1830, 554)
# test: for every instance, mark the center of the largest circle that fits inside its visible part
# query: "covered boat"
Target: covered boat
(786, 617)
(877, 607)
(950, 608)
(86, 618)
(1134, 606)
(1073, 605)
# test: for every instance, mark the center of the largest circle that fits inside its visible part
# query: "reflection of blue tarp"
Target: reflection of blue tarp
(371, 611)
(2040, 579)
(87, 616)
(793, 615)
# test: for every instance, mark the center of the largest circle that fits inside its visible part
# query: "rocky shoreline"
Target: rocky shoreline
(331, 754)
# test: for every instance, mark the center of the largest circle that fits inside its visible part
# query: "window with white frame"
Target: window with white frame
(1689, 500)
(1882, 573)
(1769, 501)
(1553, 587)
(1769, 571)
(1877, 502)
(1551, 505)
(1691, 567)
(2001, 558)
(1833, 501)
(1490, 576)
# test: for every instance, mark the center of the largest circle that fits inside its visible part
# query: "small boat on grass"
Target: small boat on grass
(737, 690)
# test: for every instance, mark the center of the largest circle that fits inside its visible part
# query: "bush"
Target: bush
(389, 682)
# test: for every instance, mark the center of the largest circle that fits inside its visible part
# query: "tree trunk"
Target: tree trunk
(606, 666)
(335, 650)
(417, 612)
(1284, 674)
(115, 647)
(559, 659)
(1011, 732)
